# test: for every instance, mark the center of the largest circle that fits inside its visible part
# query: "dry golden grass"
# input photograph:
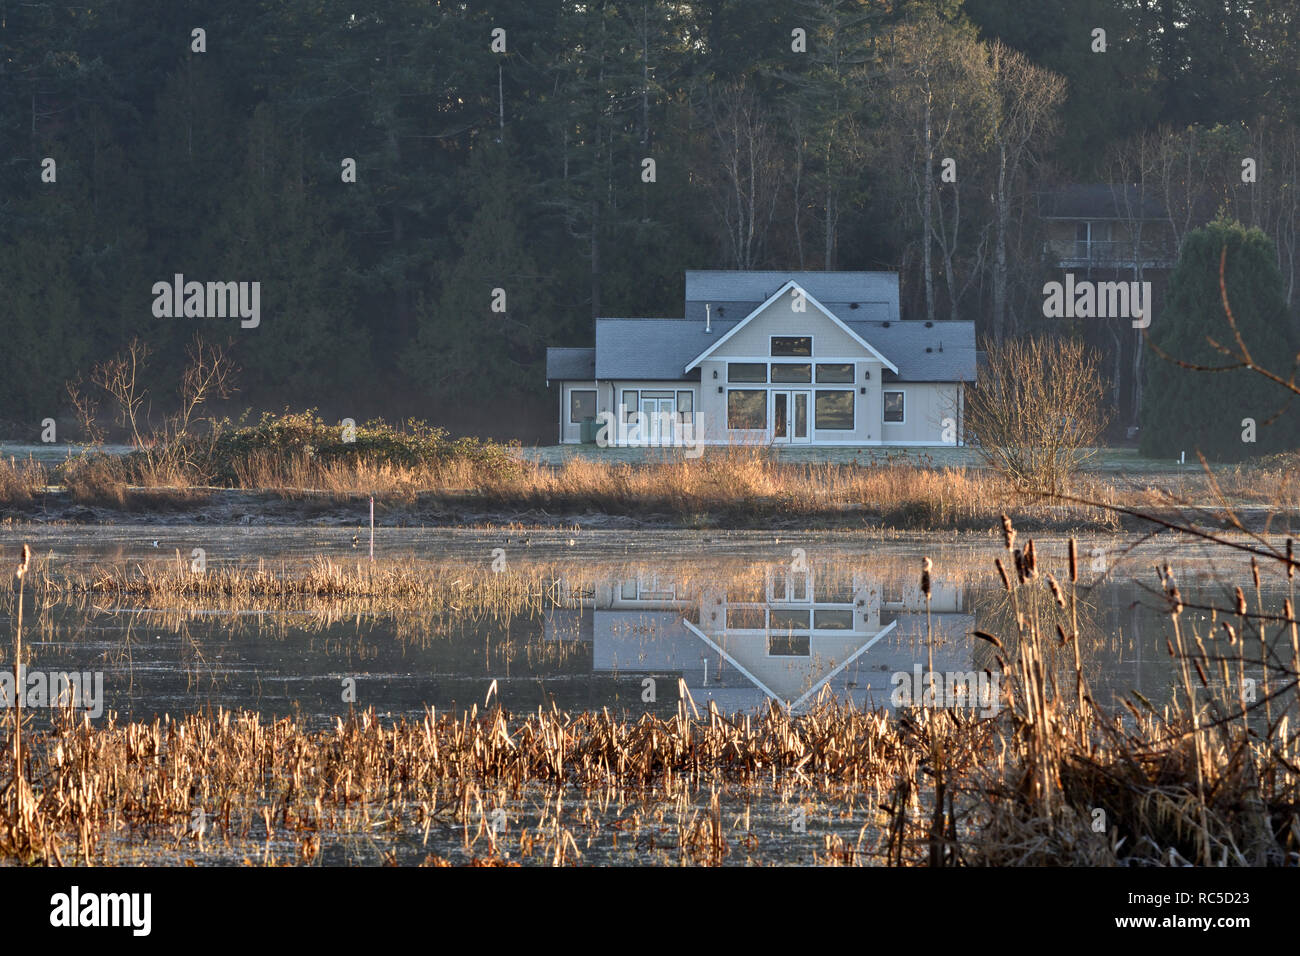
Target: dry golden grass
(739, 486)
(1209, 779)
(20, 481)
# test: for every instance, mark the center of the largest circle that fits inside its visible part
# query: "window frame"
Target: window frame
(851, 380)
(771, 346)
(748, 428)
(773, 380)
(853, 410)
(884, 410)
(739, 381)
(686, 416)
(595, 403)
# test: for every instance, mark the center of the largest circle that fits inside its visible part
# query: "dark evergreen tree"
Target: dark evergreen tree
(1190, 410)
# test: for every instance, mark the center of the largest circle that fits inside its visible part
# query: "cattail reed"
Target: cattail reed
(19, 788)
(1056, 590)
(1074, 561)
(1008, 533)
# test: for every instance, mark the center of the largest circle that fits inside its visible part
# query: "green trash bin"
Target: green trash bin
(588, 430)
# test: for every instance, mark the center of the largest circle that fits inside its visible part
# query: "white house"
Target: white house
(814, 358)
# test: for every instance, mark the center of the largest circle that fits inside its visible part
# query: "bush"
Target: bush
(297, 437)
(1035, 413)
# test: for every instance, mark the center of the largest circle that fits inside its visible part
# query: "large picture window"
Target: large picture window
(792, 345)
(792, 372)
(582, 405)
(747, 408)
(835, 374)
(894, 407)
(834, 410)
(747, 372)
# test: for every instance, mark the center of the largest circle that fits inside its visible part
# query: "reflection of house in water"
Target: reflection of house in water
(784, 640)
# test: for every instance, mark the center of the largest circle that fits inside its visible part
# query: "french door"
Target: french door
(790, 416)
(660, 410)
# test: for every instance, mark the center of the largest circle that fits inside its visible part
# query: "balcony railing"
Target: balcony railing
(1116, 253)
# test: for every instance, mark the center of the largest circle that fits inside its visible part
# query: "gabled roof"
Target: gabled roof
(876, 288)
(790, 286)
(641, 349)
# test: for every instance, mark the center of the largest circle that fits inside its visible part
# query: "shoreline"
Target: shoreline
(241, 507)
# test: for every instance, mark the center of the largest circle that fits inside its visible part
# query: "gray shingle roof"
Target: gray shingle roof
(652, 348)
(571, 364)
(905, 344)
(825, 287)
(661, 348)
(1100, 201)
(644, 349)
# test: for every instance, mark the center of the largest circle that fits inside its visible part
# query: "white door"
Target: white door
(660, 419)
(790, 417)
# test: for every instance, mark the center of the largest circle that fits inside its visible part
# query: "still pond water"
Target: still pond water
(618, 620)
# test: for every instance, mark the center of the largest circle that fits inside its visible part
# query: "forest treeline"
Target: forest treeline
(581, 166)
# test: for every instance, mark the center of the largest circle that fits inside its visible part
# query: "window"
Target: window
(837, 374)
(789, 645)
(792, 345)
(787, 620)
(685, 406)
(582, 405)
(894, 407)
(746, 372)
(791, 372)
(835, 410)
(747, 408)
(745, 618)
(833, 620)
(833, 591)
(630, 404)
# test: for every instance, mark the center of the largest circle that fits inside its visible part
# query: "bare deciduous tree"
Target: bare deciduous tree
(931, 80)
(176, 446)
(1035, 414)
(1023, 100)
(746, 175)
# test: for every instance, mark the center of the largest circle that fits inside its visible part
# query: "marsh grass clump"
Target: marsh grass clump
(20, 481)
